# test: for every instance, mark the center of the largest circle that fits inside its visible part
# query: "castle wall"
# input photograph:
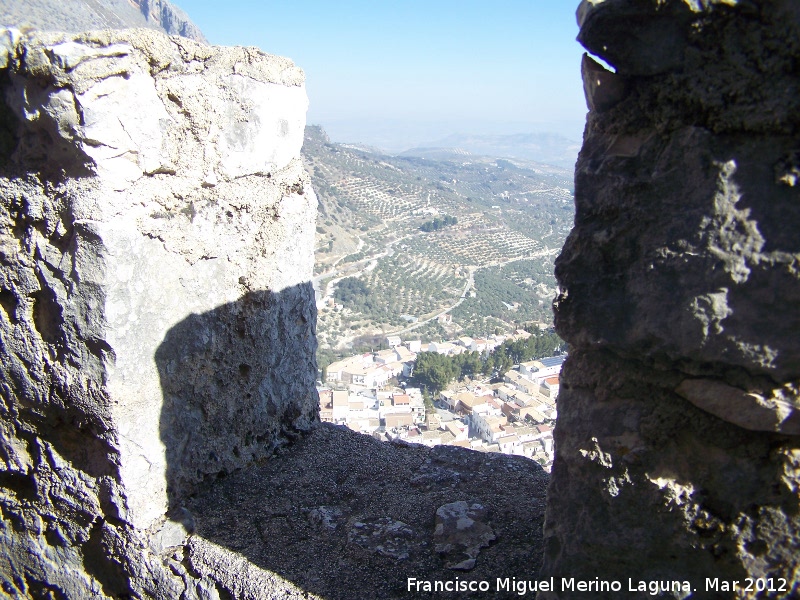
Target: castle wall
(154, 214)
(677, 448)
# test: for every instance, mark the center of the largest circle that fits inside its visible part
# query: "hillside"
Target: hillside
(491, 270)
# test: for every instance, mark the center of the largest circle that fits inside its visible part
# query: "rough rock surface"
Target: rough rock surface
(157, 318)
(72, 16)
(677, 448)
(339, 515)
(461, 531)
(169, 17)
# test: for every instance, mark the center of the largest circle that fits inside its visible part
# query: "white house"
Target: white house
(551, 386)
(520, 382)
(525, 433)
(489, 428)
(393, 340)
(417, 404)
(372, 376)
(539, 370)
(385, 356)
(479, 345)
(414, 345)
(458, 429)
(446, 348)
(337, 371)
(465, 341)
(341, 406)
(404, 354)
(510, 444)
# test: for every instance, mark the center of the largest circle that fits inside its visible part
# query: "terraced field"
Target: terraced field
(511, 220)
(517, 293)
(478, 247)
(376, 199)
(411, 286)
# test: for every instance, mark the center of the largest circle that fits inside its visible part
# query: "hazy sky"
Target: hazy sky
(408, 71)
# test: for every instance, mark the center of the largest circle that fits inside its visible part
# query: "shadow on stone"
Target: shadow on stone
(276, 504)
(342, 516)
(238, 381)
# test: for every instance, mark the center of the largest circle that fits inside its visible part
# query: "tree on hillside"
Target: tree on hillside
(435, 371)
(470, 364)
(351, 289)
(437, 223)
(538, 345)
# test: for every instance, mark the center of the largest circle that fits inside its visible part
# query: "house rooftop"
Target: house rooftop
(553, 361)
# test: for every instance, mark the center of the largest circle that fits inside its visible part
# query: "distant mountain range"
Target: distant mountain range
(548, 148)
(71, 16)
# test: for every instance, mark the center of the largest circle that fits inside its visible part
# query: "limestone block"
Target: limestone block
(461, 531)
(263, 136)
(751, 410)
(9, 38)
(124, 144)
(158, 319)
(250, 121)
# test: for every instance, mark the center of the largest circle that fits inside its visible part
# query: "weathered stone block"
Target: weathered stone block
(679, 410)
(158, 320)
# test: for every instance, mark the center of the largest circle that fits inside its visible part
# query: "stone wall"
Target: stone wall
(678, 440)
(158, 321)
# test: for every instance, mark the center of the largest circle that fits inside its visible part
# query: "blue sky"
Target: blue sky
(405, 72)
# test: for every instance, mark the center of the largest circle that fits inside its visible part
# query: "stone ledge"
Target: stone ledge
(341, 515)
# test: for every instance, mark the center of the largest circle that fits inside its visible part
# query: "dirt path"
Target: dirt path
(352, 270)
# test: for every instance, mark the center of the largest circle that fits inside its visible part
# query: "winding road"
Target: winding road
(350, 270)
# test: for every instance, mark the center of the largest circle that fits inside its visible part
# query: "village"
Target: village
(369, 394)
